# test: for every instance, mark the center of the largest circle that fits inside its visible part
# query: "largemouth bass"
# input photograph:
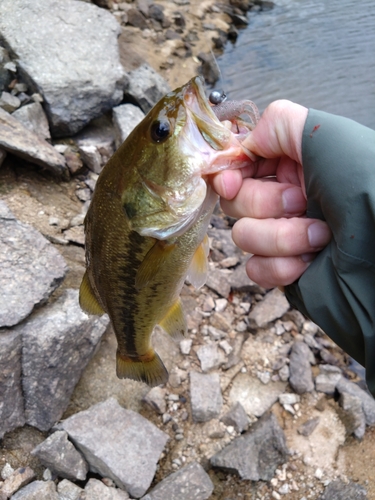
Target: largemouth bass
(147, 221)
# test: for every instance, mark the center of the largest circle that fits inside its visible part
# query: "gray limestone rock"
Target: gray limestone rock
(118, 443)
(354, 420)
(218, 280)
(96, 490)
(33, 117)
(37, 490)
(19, 478)
(338, 490)
(189, 483)
(60, 456)
(146, 87)
(58, 342)
(205, 395)
(17, 139)
(125, 118)
(256, 454)
(91, 158)
(12, 413)
(68, 490)
(61, 55)
(236, 417)
(327, 379)
(368, 402)
(301, 379)
(210, 357)
(30, 268)
(308, 427)
(155, 399)
(273, 306)
(255, 397)
(9, 102)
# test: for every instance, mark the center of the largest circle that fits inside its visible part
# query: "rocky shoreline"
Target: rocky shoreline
(260, 404)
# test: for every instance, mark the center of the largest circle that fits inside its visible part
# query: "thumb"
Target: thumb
(279, 131)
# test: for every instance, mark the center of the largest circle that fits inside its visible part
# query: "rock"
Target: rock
(307, 428)
(217, 280)
(96, 490)
(155, 399)
(368, 402)
(209, 68)
(17, 139)
(91, 158)
(338, 490)
(68, 490)
(12, 413)
(17, 480)
(300, 378)
(327, 380)
(59, 54)
(9, 102)
(137, 19)
(125, 118)
(289, 398)
(58, 342)
(255, 397)
(189, 483)
(355, 421)
(118, 443)
(185, 346)
(210, 357)
(6, 471)
(60, 456)
(273, 306)
(33, 117)
(236, 417)
(146, 87)
(76, 235)
(37, 490)
(256, 454)
(30, 268)
(205, 396)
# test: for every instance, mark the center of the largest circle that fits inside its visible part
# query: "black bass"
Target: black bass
(147, 222)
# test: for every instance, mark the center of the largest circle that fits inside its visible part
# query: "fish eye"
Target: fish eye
(217, 96)
(160, 131)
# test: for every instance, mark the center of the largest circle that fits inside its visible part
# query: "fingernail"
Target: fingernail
(318, 234)
(294, 201)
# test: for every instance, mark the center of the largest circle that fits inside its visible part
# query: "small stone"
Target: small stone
(264, 377)
(215, 333)
(59, 454)
(17, 480)
(327, 380)
(256, 454)
(185, 346)
(300, 378)
(284, 373)
(355, 421)
(9, 102)
(11, 66)
(75, 235)
(136, 19)
(125, 118)
(284, 490)
(289, 398)
(220, 305)
(219, 321)
(189, 483)
(307, 428)
(155, 399)
(97, 490)
(368, 402)
(33, 117)
(208, 304)
(273, 306)
(37, 490)
(225, 345)
(217, 280)
(6, 471)
(68, 490)
(210, 357)
(237, 418)
(83, 194)
(146, 87)
(91, 157)
(215, 429)
(205, 394)
(344, 491)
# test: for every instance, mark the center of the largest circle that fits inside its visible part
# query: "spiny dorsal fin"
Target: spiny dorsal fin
(151, 264)
(87, 299)
(148, 368)
(198, 270)
(174, 322)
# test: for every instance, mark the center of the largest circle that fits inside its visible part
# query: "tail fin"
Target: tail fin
(148, 368)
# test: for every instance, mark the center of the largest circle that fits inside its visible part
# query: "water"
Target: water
(319, 53)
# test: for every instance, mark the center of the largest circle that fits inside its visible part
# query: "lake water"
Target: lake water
(319, 53)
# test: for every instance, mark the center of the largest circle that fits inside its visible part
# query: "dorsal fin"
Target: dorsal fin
(87, 299)
(153, 261)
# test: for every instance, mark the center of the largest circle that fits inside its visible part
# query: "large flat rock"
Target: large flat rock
(68, 52)
(30, 268)
(58, 342)
(118, 443)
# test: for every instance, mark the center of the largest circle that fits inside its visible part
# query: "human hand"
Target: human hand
(269, 198)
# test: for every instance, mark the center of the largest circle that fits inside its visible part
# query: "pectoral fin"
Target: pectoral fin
(87, 299)
(174, 323)
(151, 264)
(198, 270)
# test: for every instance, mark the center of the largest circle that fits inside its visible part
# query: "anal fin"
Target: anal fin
(198, 270)
(148, 368)
(174, 322)
(87, 299)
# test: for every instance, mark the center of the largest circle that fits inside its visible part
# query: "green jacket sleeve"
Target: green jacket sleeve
(337, 291)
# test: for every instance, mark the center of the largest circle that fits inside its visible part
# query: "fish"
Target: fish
(146, 225)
